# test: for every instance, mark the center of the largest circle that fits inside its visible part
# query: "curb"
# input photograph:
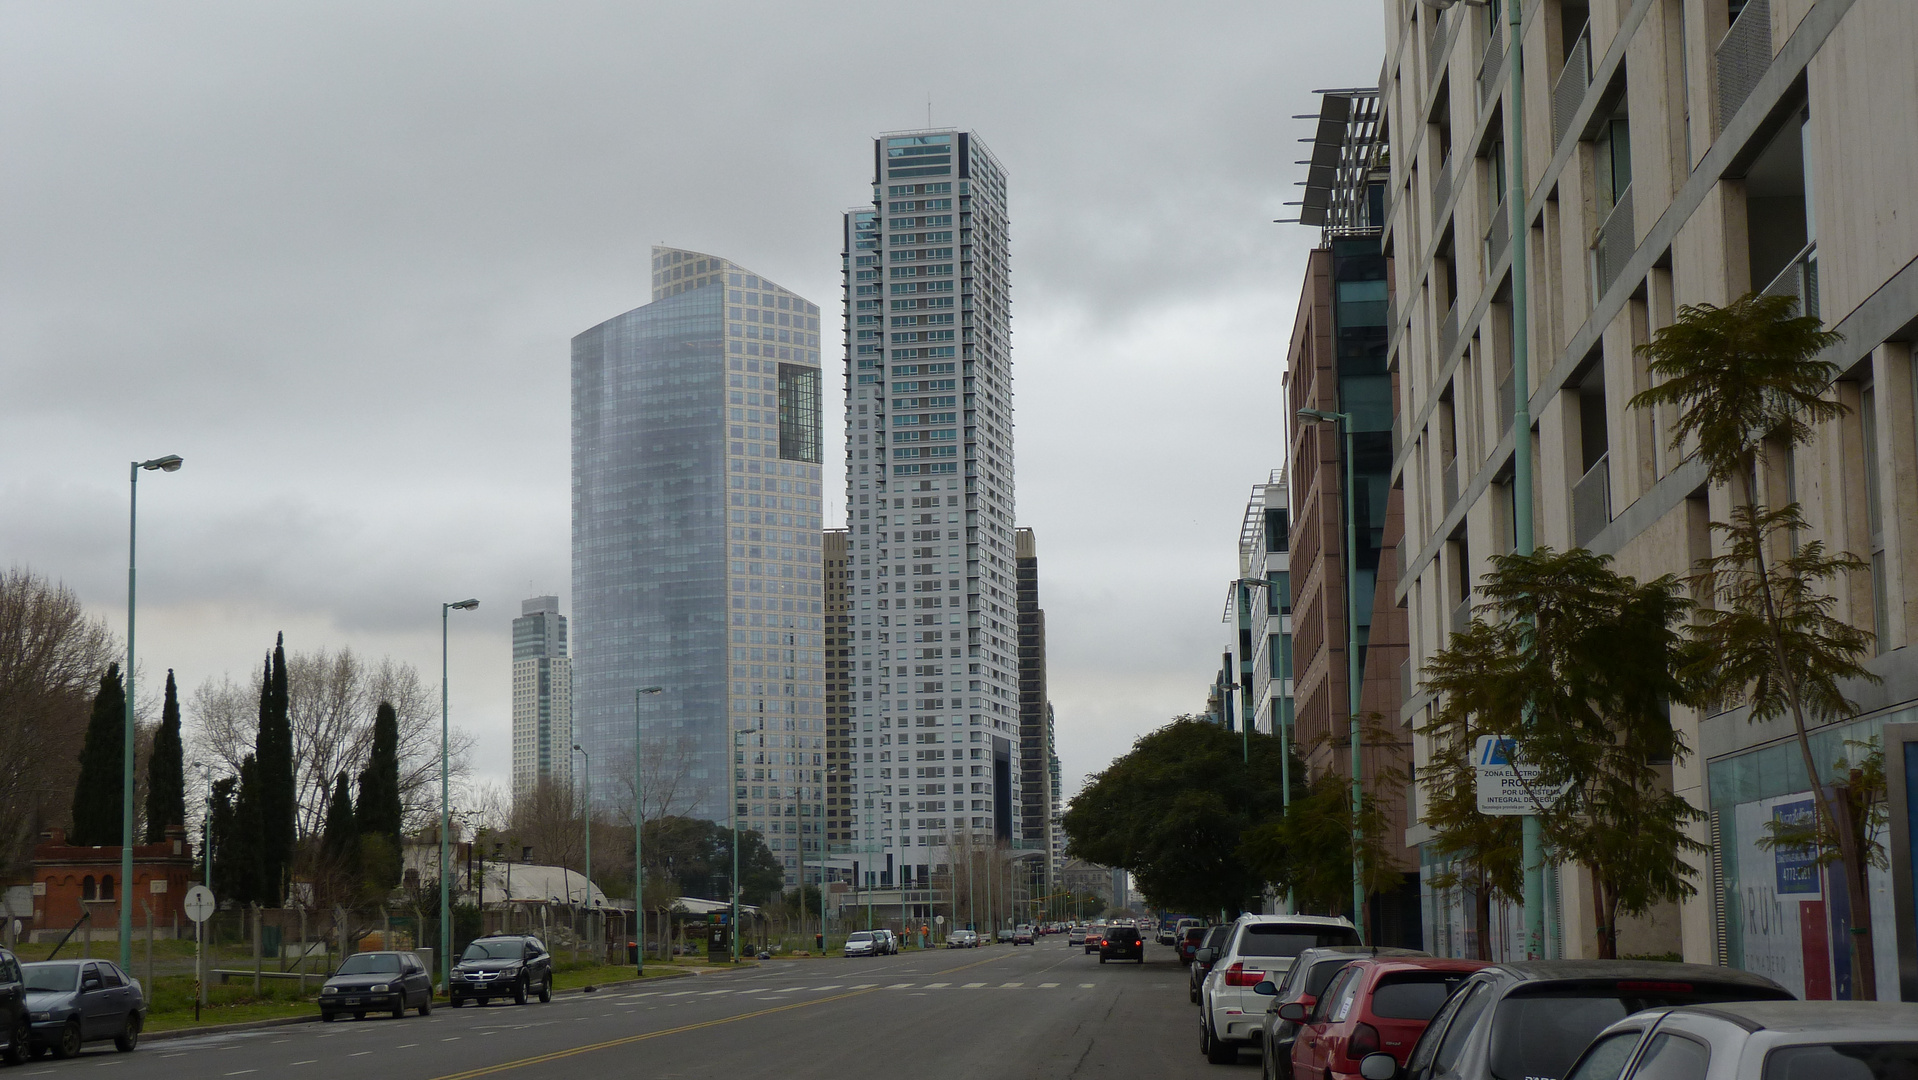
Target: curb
(314, 1018)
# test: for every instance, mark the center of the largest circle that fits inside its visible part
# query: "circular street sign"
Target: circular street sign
(939, 920)
(199, 903)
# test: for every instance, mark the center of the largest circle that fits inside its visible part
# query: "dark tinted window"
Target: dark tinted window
(1125, 935)
(1278, 939)
(372, 963)
(1336, 987)
(110, 976)
(1463, 1021)
(1322, 974)
(1845, 1061)
(1540, 1034)
(1216, 939)
(1608, 1057)
(1414, 996)
(1671, 1057)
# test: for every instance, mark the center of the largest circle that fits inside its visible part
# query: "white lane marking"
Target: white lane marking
(937, 986)
(453, 1038)
(1047, 986)
(862, 986)
(900, 986)
(405, 1046)
(972, 986)
(242, 1072)
(648, 993)
(308, 1061)
(710, 993)
(1010, 986)
(1087, 986)
(682, 993)
(821, 989)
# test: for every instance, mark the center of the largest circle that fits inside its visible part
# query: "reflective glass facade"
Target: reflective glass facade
(696, 544)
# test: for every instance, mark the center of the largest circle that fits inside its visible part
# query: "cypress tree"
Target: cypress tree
(166, 770)
(379, 807)
(338, 836)
(273, 756)
(238, 855)
(98, 796)
(220, 810)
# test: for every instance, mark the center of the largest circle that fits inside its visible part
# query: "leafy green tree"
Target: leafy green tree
(1750, 385)
(1174, 812)
(1582, 664)
(273, 761)
(378, 814)
(98, 797)
(699, 855)
(166, 770)
(1481, 852)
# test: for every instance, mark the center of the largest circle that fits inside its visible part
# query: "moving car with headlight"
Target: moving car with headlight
(367, 982)
(74, 1002)
(502, 965)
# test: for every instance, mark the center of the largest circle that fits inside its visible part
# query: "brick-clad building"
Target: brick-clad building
(66, 877)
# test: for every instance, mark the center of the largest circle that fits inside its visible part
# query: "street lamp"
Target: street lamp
(169, 463)
(639, 829)
(586, 812)
(206, 823)
(1353, 687)
(446, 807)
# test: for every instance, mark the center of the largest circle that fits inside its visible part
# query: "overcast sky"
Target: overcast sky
(333, 254)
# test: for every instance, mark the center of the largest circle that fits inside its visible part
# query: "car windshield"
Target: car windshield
(1279, 939)
(1844, 1061)
(370, 963)
(1415, 996)
(59, 977)
(493, 950)
(860, 936)
(1322, 975)
(1541, 1034)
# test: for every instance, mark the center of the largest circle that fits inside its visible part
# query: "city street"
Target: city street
(998, 1012)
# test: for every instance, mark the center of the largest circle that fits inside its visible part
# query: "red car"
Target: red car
(1372, 1006)
(1189, 942)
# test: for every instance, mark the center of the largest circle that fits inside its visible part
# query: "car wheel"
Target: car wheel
(456, 1002)
(129, 1036)
(519, 992)
(483, 1001)
(1102, 959)
(1217, 1050)
(69, 1044)
(546, 990)
(399, 1006)
(1192, 992)
(359, 1014)
(20, 1041)
(327, 1017)
(426, 1006)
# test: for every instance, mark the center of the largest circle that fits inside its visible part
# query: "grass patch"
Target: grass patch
(230, 1014)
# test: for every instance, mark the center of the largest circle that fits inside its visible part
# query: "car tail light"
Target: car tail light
(1364, 1040)
(1237, 975)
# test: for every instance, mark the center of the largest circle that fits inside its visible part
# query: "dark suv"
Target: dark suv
(1122, 943)
(502, 965)
(15, 1027)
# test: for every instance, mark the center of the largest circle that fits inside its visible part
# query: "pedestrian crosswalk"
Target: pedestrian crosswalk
(807, 989)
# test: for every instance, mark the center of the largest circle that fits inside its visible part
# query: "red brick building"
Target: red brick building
(67, 877)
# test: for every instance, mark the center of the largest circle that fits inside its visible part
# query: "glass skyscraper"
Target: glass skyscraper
(542, 698)
(696, 550)
(932, 621)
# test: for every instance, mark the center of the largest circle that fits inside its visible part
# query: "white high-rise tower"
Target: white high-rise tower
(542, 697)
(932, 598)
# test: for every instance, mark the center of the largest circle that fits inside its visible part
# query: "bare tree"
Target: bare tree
(333, 697)
(51, 656)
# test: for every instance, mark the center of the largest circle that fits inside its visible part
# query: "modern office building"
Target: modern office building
(542, 698)
(841, 751)
(933, 624)
(696, 545)
(1675, 154)
(1261, 614)
(1036, 758)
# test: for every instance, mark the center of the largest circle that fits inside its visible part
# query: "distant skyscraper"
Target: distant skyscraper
(1035, 722)
(840, 769)
(542, 697)
(696, 544)
(929, 503)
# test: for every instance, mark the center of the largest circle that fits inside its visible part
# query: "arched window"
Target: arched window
(106, 887)
(87, 888)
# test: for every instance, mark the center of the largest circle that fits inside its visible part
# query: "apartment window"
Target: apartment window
(1778, 223)
(1279, 648)
(1278, 592)
(1614, 159)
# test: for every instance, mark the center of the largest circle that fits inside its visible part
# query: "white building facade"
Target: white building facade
(542, 698)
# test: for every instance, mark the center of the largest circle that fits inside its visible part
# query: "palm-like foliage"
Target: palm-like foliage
(1580, 662)
(1743, 375)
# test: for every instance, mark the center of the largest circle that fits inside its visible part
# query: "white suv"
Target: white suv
(1258, 947)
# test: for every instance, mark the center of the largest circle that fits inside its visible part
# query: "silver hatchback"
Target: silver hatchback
(1756, 1040)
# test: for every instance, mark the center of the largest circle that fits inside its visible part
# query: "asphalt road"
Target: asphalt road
(976, 1014)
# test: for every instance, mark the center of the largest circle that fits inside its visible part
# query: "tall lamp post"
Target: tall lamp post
(169, 463)
(446, 806)
(639, 830)
(586, 814)
(1353, 687)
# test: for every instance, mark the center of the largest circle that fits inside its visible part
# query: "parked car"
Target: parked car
(1311, 972)
(1772, 1040)
(1022, 935)
(74, 1002)
(962, 939)
(1258, 947)
(15, 1025)
(380, 982)
(1168, 934)
(888, 942)
(502, 965)
(1202, 958)
(1122, 943)
(1533, 1018)
(1188, 942)
(863, 943)
(1371, 1007)
(1076, 936)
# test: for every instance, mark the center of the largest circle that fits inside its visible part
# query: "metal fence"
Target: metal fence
(1744, 54)
(1569, 92)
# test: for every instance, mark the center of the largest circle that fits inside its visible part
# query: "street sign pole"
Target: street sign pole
(199, 906)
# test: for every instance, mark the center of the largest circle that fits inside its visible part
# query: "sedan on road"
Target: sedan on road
(1750, 1040)
(1022, 935)
(962, 939)
(862, 943)
(1122, 943)
(1076, 936)
(74, 1002)
(377, 982)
